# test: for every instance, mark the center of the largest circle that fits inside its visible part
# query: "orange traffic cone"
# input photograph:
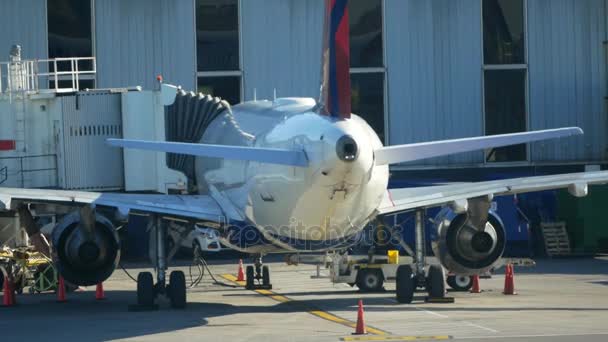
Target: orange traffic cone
(7, 298)
(360, 328)
(61, 291)
(99, 295)
(509, 281)
(241, 273)
(475, 288)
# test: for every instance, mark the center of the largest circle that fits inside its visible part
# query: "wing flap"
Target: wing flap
(411, 152)
(262, 155)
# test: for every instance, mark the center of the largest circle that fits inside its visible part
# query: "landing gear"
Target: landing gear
(257, 276)
(249, 278)
(406, 284)
(460, 283)
(147, 291)
(410, 277)
(177, 290)
(370, 280)
(435, 282)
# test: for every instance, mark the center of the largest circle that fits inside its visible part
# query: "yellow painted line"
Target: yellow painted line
(396, 338)
(232, 278)
(315, 312)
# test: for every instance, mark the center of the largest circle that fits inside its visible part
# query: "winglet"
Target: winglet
(419, 151)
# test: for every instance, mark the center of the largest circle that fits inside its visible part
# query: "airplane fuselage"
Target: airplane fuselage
(316, 207)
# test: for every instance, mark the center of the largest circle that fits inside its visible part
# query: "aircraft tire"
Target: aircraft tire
(405, 284)
(177, 289)
(265, 276)
(435, 283)
(145, 289)
(249, 277)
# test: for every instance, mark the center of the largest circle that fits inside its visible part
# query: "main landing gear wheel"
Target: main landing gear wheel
(249, 278)
(145, 289)
(405, 284)
(177, 289)
(265, 276)
(460, 282)
(370, 280)
(435, 283)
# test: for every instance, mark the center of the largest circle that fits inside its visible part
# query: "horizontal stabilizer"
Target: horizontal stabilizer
(261, 155)
(410, 152)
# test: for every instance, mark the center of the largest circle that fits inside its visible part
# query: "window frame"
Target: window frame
(83, 77)
(379, 70)
(517, 66)
(221, 73)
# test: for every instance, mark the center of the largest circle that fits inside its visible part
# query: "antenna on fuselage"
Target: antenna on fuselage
(274, 94)
(255, 94)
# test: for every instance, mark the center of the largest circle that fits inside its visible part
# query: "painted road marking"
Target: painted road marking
(432, 313)
(313, 311)
(396, 338)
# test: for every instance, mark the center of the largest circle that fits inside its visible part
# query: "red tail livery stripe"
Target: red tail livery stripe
(335, 96)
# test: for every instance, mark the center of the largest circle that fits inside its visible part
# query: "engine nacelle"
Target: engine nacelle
(83, 262)
(465, 249)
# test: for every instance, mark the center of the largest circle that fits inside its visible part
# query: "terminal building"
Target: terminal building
(421, 70)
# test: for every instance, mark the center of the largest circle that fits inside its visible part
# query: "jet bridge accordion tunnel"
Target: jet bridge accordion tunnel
(186, 121)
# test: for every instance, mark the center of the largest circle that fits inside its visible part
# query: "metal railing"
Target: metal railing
(21, 171)
(35, 75)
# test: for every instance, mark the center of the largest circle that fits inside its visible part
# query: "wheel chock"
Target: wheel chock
(439, 300)
(142, 308)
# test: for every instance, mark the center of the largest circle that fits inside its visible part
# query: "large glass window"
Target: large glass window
(505, 75)
(217, 48)
(365, 18)
(503, 32)
(368, 99)
(223, 87)
(367, 62)
(505, 106)
(70, 34)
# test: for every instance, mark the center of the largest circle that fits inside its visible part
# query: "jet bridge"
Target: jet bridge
(53, 129)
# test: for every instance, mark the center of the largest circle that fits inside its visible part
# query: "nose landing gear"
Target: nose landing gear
(257, 276)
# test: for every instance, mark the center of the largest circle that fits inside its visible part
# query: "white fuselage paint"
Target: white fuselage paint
(329, 199)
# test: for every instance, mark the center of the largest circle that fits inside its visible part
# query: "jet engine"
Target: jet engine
(85, 254)
(464, 248)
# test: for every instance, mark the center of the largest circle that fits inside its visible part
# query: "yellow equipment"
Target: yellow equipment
(28, 268)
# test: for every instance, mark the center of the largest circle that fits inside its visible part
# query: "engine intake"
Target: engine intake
(465, 249)
(85, 261)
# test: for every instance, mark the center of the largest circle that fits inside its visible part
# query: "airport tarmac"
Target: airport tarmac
(558, 300)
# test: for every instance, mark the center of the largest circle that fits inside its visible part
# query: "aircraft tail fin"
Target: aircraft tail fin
(418, 151)
(335, 63)
(261, 155)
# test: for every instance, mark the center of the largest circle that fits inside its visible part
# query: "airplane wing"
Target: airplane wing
(262, 155)
(197, 207)
(401, 200)
(418, 151)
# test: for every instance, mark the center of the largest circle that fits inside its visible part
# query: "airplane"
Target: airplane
(292, 175)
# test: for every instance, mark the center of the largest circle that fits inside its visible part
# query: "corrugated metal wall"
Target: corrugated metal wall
(434, 63)
(23, 22)
(88, 120)
(567, 76)
(281, 47)
(139, 39)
